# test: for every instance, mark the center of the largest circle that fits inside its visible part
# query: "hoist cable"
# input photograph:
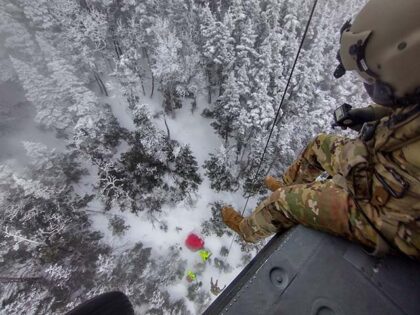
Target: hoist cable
(253, 183)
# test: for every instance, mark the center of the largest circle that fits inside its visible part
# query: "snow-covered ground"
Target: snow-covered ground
(187, 128)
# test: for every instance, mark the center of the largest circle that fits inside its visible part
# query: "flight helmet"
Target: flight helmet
(383, 46)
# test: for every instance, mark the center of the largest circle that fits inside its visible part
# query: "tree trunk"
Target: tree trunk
(242, 155)
(167, 101)
(118, 50)
(142, 83)
(167, 128)
(18, 279)
(221, 80)
(194, 105)
(209, 86)
(227, 131)
(20, 238)
(101, 84)
(153, 85)
(151, 72)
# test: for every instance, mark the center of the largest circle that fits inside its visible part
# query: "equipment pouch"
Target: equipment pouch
(361, 178)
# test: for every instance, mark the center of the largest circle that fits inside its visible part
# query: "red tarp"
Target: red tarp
(194, 242)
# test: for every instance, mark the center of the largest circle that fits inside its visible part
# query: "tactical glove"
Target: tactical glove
(359, 116)
(356, 117)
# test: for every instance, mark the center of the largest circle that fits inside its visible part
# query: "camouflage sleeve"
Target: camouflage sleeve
(380, 111)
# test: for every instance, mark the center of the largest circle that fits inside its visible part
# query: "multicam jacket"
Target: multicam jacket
(383, 168)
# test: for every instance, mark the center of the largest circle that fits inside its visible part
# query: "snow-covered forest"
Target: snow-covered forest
(126, 124)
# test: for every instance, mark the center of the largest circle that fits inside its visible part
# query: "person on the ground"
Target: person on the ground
(372, 195)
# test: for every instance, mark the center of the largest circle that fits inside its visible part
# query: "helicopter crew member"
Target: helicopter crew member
(373, 193)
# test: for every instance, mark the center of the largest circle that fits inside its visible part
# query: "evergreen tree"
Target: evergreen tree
(82, 62)
(186, 172)
(40, 90)
(219, 169)
(51, 234)
(228, 108)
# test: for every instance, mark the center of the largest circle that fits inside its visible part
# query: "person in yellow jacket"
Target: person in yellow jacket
(372, 195)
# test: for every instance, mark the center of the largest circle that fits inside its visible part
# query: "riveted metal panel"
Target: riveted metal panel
(308, 272)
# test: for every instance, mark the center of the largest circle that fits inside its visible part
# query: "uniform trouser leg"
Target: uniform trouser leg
(320, 205)
(321, 154)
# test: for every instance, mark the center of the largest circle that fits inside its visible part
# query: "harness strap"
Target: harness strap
(385, 233)
(404, 117)
(381, 248)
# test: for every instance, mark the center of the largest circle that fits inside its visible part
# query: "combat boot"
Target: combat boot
(232, 218)
(272, 183)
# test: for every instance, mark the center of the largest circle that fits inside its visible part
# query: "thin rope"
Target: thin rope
(277, 114)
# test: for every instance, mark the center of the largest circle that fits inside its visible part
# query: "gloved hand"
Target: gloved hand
(359, 116)
(356, 117)
(272, 183)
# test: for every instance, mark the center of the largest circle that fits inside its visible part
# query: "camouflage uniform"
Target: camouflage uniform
(360, 170)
